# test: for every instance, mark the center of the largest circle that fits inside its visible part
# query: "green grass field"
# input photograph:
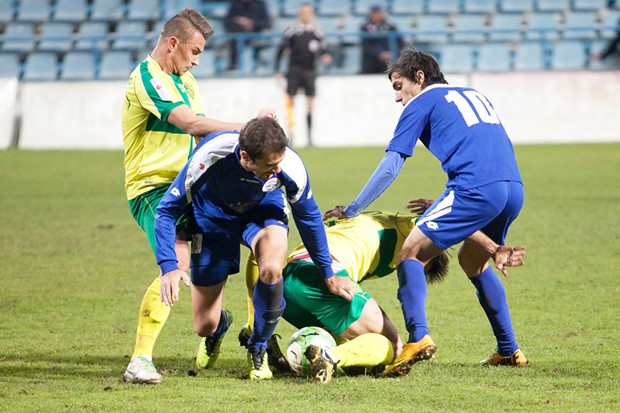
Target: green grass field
(75, 266)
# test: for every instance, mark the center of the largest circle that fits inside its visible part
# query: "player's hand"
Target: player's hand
(336, 212)
(169, 289)
(267, 113)
(506, 256)
(342, 286)
(419, 206)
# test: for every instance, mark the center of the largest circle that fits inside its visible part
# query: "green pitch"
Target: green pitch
(75, 266)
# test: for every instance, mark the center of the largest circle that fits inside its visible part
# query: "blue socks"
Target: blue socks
(492, 298)
(221, 326)
(412, 297)
(269, 305)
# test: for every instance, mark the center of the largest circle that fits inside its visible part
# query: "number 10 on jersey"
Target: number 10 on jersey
(474, 107)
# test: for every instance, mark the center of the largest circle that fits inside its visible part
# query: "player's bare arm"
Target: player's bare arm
(183, 118)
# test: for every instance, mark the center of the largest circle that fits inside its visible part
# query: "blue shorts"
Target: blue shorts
(457, 214)
(215, 244)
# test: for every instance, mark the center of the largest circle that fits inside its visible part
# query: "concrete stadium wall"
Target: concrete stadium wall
(537, 107)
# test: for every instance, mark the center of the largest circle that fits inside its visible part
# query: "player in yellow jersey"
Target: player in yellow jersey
(364, 247)
(161, 118)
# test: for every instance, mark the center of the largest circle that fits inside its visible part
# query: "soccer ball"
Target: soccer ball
(298, 343)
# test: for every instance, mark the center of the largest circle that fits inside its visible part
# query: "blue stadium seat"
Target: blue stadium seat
(589, 5)
(92, 35)
(443, 6)
(266, 61)
(403, 23)
(494, 57)
(41, 66)
(456, 58)
(130, 36)
(430, 29)
(329, 24)
(580, 25)
(9, 65)
(73, 11)
(78, 66)
(18, 37)
(553, 5)
(144, 10)
(529, 56)
(351, 61)
(115, 64)
(56, 37)
(7, 11)
(172, 7)
(506, 27)
(281, 24)
(290, 7)
(107, 10)
(408, 7)
(469, 28)
(568, 55)
(334, 8)
(516, 6)
(479, 6)
(33, 11)
(362, 7)
(351, 30)
(543, 26)
(609, 24)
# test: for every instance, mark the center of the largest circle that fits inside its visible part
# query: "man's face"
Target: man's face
(186, 55)
(376, 16)
(405, 88)
(306, 14)
(263, 167)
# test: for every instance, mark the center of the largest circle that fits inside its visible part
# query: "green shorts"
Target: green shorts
(309, 302)
(143, 209)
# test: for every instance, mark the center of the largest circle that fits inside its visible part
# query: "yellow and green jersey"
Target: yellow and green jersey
(155, 150)
(367, 244)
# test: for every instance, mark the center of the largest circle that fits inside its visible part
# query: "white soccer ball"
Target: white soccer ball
(298, 343)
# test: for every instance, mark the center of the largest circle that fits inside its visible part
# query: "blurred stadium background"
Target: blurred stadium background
(64, 64)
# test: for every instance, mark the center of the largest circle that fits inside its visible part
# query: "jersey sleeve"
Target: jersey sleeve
(170, 208)
(153, 94)
(306, 213)
(409, 129)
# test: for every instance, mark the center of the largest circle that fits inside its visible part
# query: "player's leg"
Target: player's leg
(310, 88)
(251, 278)
(269, 247)
(489, 289)
(292, 85)
(153, 312)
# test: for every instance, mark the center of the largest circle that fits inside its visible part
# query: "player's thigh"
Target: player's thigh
(215, 251)
(512, 192)
(457, 214)
(309, 82)
(305, 290)
(370, 321)
(207, 306)
(293, 80)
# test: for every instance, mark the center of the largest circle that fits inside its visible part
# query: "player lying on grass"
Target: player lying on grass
(484, 192)
(234, 184)
(363, 248)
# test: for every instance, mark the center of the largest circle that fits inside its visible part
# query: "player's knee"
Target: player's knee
(270, 273)
(205, 327)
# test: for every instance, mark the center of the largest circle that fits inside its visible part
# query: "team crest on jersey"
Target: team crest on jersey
(190, 91)
(272, 184)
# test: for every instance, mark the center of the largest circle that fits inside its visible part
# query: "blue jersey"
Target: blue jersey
(460, 127)
(218, 188)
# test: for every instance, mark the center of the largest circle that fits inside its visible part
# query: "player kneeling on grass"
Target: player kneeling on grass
(234, 184)
(364, 247)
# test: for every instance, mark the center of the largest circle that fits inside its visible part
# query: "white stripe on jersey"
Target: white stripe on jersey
(443, 207)
(294, 167)
(206, 156)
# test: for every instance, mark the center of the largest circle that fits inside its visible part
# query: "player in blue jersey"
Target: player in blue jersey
(484, 192)
(234, 184)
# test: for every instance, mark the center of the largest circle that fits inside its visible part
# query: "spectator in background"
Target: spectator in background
(376, 51)
(611, 48)
(304, 42)
(245, 16)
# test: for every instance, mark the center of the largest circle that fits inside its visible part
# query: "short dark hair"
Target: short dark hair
(262, 136)
(184, 23)
(410, 61)
(437, 268)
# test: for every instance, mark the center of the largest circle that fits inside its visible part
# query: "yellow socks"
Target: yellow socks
(251, 278)
(367, 350)
(153, 316)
